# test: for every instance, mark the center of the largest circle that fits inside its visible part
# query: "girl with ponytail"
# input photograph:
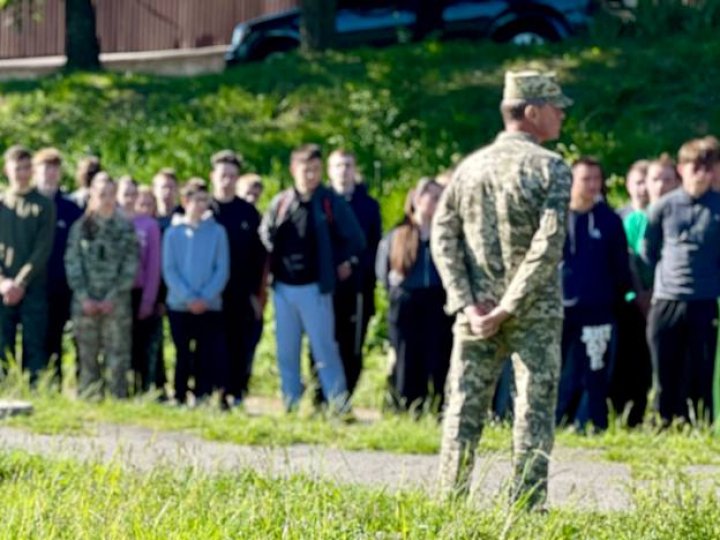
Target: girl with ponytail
(420, 331)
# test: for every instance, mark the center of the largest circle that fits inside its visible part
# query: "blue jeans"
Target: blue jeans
(298, 309)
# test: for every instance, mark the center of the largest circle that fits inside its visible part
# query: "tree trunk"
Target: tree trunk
(82, 47)
(429, 18)
(318, 24)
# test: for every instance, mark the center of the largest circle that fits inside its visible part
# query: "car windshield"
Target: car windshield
(352, 20)
(462, 10)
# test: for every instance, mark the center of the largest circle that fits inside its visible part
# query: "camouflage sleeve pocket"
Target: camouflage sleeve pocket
(549, 222)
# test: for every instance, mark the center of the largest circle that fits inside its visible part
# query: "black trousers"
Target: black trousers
(683, 339)
(421, 335)
(31, 314)
(58, 316)
(240, 328)
(631, 376)
(156, 371)
(146, 363)
(353, 311)
(207, 359)
(583, 389)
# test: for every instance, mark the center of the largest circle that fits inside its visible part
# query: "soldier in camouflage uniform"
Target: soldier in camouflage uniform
(497, 240)
(101, 261)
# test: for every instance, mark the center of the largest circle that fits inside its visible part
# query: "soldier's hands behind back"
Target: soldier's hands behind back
(489, 325)
(475, 313)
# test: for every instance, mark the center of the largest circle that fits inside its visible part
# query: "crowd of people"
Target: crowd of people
(114, 258)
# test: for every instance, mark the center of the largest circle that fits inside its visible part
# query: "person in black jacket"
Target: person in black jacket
(241, 304)
(595, 280)
(420, 330)
(313, 238)
(354, 298)
(47, 171)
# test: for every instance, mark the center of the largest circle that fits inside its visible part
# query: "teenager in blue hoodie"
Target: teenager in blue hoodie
(196, 267)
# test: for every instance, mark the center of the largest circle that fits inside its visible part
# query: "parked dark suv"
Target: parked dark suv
(382, 22)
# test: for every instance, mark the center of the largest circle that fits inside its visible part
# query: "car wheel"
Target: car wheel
(527, 33)
(528, 39)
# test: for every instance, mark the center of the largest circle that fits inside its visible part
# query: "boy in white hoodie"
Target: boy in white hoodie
(196, 269)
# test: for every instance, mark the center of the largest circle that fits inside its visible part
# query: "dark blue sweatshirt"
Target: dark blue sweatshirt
(423, 274)
(595, 267)
(67, 213)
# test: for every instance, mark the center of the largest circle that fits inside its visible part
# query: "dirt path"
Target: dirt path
(576, 478)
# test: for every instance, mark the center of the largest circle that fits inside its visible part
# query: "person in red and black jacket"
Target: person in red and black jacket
(354, 297)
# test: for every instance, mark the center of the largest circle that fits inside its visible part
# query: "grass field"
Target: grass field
(407, 111)
(43, 498)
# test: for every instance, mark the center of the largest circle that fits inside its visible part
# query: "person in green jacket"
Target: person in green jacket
(27, 228)
(101, 261)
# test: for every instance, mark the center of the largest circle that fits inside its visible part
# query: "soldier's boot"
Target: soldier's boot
(530, 477)
(474, 367)
(537, 370)
(457, 460)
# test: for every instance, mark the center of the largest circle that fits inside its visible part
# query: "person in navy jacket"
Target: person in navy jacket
(47, 171)
(595, 281)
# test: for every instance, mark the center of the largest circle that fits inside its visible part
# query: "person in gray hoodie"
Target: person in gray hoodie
(196, 267)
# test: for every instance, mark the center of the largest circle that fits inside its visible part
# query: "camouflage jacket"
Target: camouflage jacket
(499, 228)
(101, 258)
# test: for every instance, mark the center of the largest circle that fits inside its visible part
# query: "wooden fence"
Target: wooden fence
(37, 27)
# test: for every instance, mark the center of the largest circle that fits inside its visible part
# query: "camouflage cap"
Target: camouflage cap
(534, 85)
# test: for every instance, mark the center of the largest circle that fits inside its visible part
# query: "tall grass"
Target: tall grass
(48, 499)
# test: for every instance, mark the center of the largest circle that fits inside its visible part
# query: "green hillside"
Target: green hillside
(407, 111)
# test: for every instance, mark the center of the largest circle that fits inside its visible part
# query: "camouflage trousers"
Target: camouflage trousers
(475, 366)
(110, 334)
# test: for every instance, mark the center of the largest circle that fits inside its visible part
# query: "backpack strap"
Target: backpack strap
(283, 206)
(327, 208)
